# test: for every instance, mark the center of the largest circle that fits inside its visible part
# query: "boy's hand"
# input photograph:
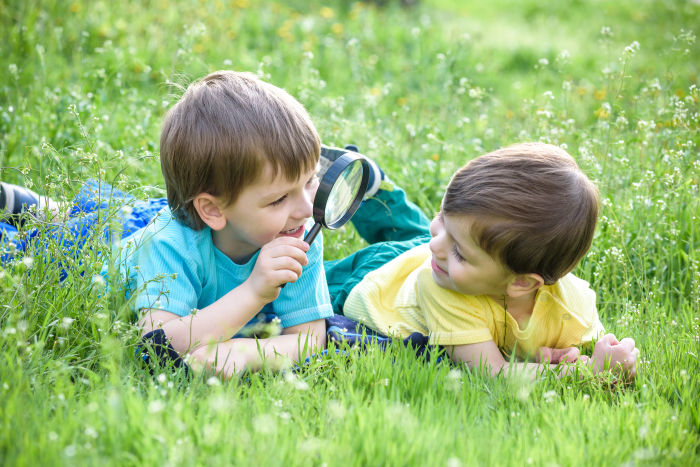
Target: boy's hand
(552, 355)
(279, 262)
(620, 355)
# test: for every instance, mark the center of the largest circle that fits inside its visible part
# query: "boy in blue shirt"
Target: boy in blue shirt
(240, 159)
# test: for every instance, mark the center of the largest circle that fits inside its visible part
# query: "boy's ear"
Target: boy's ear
(209, 210)
(523, 284)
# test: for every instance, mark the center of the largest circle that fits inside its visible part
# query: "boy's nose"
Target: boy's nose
(436, 247)
(437, 237)
(305, 208)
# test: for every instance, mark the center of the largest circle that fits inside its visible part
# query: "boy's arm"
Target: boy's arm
(221, 319)
(609, 354)
(279, 261)
(314, 330)
(487, 355)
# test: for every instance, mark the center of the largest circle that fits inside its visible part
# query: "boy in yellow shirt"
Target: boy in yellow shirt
(490, 275)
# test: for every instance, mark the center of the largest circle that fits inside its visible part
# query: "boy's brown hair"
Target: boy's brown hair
(531, 208)
(222, 133)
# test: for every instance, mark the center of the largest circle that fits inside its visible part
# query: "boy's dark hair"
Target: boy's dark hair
(222, 133)
(531, 208)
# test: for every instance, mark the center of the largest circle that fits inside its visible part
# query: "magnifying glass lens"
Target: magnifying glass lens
(343, 193)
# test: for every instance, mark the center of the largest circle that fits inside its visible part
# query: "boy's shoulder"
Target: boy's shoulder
(575, 296)
(165, 231)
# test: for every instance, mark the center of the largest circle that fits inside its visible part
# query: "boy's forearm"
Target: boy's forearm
(219, 321)
(486, 356)
(295, 345)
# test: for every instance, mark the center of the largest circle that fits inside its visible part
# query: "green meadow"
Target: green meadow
(421, 89)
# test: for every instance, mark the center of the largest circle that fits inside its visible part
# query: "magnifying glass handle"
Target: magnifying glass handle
(311, 236)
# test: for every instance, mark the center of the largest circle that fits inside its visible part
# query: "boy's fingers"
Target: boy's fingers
(571, 355)
(288, 251)
(627, 343)
(544, 355)
(610, 339)
(285, 263)
(292, 241)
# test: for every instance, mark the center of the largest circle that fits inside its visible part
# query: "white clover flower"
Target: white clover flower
(549, 396)
(543, 61)
(98, 280)
(264, 424)
(336, 409)
(28, 262)
(563, 56)
(301, 385)
(631, 49)
(66, 322)
(213, 381)
(156, 406)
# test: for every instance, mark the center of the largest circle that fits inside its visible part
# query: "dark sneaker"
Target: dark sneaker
(14, 200)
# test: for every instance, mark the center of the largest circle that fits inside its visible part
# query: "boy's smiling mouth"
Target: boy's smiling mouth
(296, 232)
(436, 267)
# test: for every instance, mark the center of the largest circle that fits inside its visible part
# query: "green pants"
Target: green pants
(391, 225)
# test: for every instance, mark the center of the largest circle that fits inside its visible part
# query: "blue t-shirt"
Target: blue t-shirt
(172, 267)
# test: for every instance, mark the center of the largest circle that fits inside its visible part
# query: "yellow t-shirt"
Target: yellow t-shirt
(401, 297)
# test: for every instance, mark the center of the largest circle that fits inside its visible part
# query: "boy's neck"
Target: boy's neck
(520, 308)
(238, 253)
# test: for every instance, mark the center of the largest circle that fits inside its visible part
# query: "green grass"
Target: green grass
(422, 90)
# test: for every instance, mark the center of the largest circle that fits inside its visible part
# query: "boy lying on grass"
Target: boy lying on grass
(490, 276)
(239, 158)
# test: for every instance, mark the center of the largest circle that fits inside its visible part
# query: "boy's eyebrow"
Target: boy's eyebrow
(271, 195)
(462, 248)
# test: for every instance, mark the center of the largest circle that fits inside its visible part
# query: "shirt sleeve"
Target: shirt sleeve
(165, 275)
(307, 299)
(581, 302)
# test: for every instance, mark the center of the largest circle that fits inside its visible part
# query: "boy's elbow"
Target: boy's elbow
(317, 333)
(314, 333)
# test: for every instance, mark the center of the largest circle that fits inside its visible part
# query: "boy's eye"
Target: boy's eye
(456, 254)
(278, 201)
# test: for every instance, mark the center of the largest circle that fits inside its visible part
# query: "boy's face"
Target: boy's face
(459, 264)
(270, 207)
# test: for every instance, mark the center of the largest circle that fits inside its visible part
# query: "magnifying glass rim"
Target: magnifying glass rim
(326, 185)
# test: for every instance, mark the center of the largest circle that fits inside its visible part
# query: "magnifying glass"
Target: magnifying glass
(339, 193)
